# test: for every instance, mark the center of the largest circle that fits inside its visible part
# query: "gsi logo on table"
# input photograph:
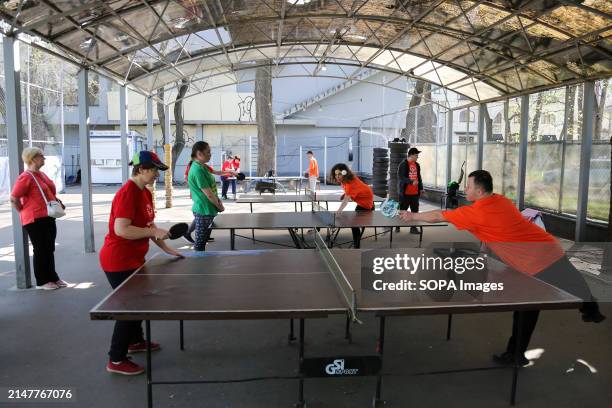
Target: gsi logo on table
(337, 368)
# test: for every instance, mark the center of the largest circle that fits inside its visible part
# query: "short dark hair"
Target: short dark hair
(310, 152)
(483, 179)
(199, 146)
(138, 167)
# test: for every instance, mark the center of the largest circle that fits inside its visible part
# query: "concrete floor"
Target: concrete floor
(50, 342)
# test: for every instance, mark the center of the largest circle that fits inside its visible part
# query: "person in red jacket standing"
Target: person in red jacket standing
(27, 199)
(130, 227)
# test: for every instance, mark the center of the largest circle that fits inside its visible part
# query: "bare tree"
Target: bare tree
(266, 130)
(568, 129)
(161, 114)
(179, 120)
(535, 124)
(409, 132)
(600, 110)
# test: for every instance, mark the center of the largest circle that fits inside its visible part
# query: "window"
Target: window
(463, 116)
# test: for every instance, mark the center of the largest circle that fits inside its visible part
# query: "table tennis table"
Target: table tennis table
(301, 284)
(300, 199)
(277, 180)
(294, 221)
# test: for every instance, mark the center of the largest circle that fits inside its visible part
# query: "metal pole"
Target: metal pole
(250, 156)
(588, 114)
(301, 168)
(563, 149)
(325, 159)
(481, 126)
(123, 113)
(449, 145)
(149, 123)
(88, 226)
(14, 133)
(62, 130)
(522, 162)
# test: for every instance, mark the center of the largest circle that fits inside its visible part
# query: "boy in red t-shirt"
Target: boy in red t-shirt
(529, 249)
(130, 228)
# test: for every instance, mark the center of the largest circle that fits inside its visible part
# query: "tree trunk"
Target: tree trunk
(179, 137)
(580, 105)
(161, 114)
(488, 125)
(409, 132)
(571, 99)
(535, 124)
(266, 130)
(600, 110)
(426, 118)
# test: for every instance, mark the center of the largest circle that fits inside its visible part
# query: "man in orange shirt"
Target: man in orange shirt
(313, 171)
(524, 246)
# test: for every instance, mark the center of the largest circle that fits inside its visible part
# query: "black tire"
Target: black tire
(380, 150)
(381, 160)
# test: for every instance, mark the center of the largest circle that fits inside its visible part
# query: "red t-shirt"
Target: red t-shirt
(496, 221)
(412, 189)
(359, 192)
(32, 202)
(120, 254)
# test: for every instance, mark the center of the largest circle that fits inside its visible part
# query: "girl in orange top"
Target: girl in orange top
(355, 190)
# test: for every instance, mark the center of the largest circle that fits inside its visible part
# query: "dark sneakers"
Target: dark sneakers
(590, 312)
(125, 367)
(507, 358)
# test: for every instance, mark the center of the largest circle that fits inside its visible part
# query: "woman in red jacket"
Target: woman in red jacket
(27, 199)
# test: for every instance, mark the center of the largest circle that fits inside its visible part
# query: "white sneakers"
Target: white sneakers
(49, 286)
(53, 285)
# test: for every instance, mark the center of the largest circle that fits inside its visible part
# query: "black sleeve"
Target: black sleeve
(402, 173)
(419, 176)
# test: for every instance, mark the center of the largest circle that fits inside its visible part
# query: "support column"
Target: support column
(481, 130)
(14, 133)
(449, 145)
(123, 113)
(522, 162)
(588, 115)
(88, 226)
(149, 123)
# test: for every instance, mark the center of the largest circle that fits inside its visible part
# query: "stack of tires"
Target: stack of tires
(399, 151)
(380, 170)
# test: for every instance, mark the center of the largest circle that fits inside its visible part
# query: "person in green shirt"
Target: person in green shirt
(203, 187)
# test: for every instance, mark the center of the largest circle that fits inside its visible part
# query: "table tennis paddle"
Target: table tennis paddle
(178, 230)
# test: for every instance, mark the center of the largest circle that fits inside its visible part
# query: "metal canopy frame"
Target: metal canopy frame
(482, 49)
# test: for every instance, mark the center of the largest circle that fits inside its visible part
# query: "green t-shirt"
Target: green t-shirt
(200, 177)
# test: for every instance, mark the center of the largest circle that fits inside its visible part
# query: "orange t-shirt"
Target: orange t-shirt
(313, 168)
(496, 221)
(359, 192)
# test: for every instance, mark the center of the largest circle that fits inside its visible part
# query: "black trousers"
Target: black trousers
(563, 275)
(409, 201)
(358, 232)
(126, 332)
(225, 182)
(42, 233)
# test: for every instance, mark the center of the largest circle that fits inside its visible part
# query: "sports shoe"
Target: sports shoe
(62, 284)
(49, 286)
(507, 358)
(142, 346)
(125, 367)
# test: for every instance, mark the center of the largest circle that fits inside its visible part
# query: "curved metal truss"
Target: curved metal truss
(481, 49)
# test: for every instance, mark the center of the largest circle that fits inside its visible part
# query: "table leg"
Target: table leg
(420, 236)
(252, 231)
(291, 336)
(301, 403)
(517, 354)
(149, 367)
(347, 330)
(391, 237)
(181, 335)
(449, 326)
(232, 239)
(378, 402)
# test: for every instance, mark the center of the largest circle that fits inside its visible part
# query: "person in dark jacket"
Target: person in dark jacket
(410, 184)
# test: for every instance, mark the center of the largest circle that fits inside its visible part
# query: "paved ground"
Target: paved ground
(49, 341)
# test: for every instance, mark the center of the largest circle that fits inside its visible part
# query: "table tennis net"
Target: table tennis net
(344, 286)
(328, 217)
